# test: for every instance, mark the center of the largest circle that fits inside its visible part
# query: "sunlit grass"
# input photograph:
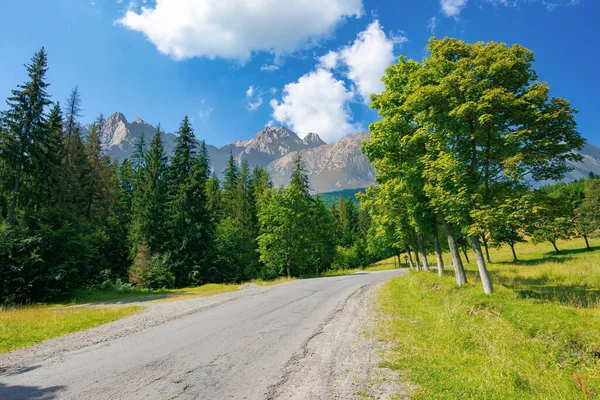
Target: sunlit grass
(25, 326)
(530, 339)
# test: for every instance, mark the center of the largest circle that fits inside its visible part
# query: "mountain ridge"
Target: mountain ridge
(330, 166)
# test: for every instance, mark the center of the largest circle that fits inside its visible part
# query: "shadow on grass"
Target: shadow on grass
(556, 258)
(568, 295)
(573, 251)
(29, 392)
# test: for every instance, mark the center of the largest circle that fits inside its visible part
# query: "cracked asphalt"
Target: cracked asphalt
(237, 349)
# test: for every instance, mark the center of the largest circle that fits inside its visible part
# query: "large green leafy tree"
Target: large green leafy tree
(286, 235)
(488, 121)
(587, 214)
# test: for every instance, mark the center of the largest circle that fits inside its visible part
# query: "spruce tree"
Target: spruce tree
(26, 126)
(148, 201)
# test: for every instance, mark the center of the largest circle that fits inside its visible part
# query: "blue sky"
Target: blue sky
(235, 66)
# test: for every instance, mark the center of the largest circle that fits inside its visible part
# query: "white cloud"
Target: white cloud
(329, 60)
(254, 98)
(273, 90)
(452, 7)
(431, 25)
(269, 67)
(366, 59)
(317, 102)
(235, 29)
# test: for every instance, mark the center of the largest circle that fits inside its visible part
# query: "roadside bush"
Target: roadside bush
(138, 274)
(160, 275)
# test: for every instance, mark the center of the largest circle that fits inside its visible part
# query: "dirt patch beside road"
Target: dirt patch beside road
(341, 360)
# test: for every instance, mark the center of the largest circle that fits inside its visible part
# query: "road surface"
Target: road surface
(236, 350)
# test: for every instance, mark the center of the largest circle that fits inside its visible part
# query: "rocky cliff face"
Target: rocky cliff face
(330, 167)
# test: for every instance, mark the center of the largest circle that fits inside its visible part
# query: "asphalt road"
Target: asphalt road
(237, 350)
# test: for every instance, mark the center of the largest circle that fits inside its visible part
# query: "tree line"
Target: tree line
(70, 217)
(462, 135)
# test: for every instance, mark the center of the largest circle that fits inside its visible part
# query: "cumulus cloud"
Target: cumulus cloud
(329, 60)
(366, 59)
(235, 29)
(316, 102)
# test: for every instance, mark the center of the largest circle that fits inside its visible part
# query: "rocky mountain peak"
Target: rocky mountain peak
(313, 140)
(140, 121)
(116, 118)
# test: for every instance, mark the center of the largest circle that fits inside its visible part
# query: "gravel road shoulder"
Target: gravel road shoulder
(154, 313)
(342, 359)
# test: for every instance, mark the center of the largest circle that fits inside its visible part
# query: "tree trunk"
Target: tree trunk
(399, 260)
(423, 253)
(555, 248)
(464, 250)
(512, 247)
(487, 250)
(289, 272)
(459, 270)
(410, 261)
(13, 201)
(587, 244)
(483, 272)
(438, 255)
(417, 262)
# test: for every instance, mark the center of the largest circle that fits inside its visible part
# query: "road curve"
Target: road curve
(237, 350)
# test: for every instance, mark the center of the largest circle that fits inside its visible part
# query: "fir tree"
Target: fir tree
(26, 126)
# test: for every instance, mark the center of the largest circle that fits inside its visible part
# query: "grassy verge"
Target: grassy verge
(25, 326)
(536, 337)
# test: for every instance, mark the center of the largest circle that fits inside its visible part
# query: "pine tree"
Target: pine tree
(72, 114)
(148, 202)
(26, 126)
(55, 169)
(190, 224)
(138, 158)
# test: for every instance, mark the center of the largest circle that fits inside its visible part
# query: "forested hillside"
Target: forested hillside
(70, 217)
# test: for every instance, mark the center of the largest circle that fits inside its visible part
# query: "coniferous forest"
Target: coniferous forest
(72, 218)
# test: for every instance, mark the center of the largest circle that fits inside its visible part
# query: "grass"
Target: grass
(25, 326)
(536, 337)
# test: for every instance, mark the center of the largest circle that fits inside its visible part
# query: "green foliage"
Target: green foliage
(138, 274)
(460, 132)
(160, 275)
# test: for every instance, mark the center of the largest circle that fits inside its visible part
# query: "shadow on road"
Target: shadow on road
(29, 392)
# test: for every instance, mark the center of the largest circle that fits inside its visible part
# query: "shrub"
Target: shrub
(160, 275)
(138, 274)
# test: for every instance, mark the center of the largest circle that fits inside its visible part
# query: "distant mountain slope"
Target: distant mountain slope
(331, 167)
(332, 197)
